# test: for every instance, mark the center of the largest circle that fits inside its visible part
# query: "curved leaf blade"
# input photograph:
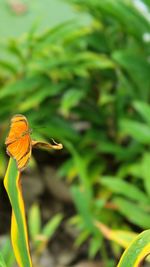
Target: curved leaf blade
(19, 234)
(137, 251)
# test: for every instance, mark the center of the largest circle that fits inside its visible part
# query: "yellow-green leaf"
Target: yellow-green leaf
(19, 234)
(122, 237)
(137, 251)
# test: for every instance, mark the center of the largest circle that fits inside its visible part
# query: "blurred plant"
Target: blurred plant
(40, 236)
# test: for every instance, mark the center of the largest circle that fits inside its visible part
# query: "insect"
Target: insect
(19, 143)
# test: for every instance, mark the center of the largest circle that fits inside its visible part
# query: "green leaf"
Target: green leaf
(70, 99)
(38, 96)
(50, 228)
(145, 171)
(34, 221)
(47, 232)
(122, 12)
(2, 262)
(19, 234)
(26, 85)
(121, 237)
(137, 68)
(143, 109)
(132, 212)
(7, 66)
(137, 130)
(7, 252)
(124, 188)
(56, 33)
(83, 207)
(95, 244)
(81, 166)
(137, 251)
(82, 237)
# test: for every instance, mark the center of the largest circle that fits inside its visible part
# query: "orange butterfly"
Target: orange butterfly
(19, 143)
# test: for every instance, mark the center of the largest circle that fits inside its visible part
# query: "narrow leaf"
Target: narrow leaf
(137, 251)
(19, 234)
(132, 212)
(124, 188)
(34, 221)
(143, 109)
(137, 130)
(121, 237)
(2, 262)
(145, 171)
(50, 228)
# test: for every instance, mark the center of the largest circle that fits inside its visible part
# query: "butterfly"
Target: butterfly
(19, 143)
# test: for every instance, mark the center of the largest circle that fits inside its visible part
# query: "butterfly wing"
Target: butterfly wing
(18, 141)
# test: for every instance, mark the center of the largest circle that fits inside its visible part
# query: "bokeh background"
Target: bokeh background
(79, 70)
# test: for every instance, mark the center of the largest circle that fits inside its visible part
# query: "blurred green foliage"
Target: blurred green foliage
(89, 88)
(39, 235)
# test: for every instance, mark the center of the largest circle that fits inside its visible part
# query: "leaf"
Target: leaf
(26, 85)
(124, 188)
(122, 12)
(137, 130)
(132, 212)
(56, 33)
(38, 96)
(137, 251)
(34, 221)
(137, 68)
(94, 247)
(46, 145)
(83, 208)
(120, 152)
(65, 130)
(19, 234)
(50, 228)
(7, 253)
(8, 66)
(145, 171)
(2, 262)
(81, 167)
(81, 238)
(70, 99)
(143, 109)
(15, 49)
(47, 232)
(121, 237)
